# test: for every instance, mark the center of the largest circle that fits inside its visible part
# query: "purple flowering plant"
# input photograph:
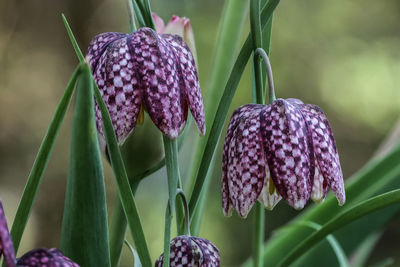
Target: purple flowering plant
(284, 150)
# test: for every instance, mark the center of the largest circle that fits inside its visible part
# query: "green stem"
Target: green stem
(222, 111)
(131, 12)
(229, 38)
(261, 53)
(257, 36)
(118, 227)
(171, 162)
(258, 234)
(180, 212)
(186, 212)
(167, 235)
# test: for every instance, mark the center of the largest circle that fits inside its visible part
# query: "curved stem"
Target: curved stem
(186, 208)
(222, 111)
(261, 53)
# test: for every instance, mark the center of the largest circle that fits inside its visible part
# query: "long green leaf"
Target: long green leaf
(124, 189)
(229, 37)
(85, 211)
(362, 209)
(223, 108)
(40, 164)
(336, 247)
(118, 226)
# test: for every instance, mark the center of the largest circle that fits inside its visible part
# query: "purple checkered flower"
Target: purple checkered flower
(189, 251)
(45, 258)
(146, 71)
(283, 150)
(6, 245)
(34, 258)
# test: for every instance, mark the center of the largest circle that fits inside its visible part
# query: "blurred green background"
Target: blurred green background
(341, 55)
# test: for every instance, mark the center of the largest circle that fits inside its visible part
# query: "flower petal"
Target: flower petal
(237, 116)
(156, 64)
(6, 245)
(318, 191)
(118, 83)
(159, 22)
(246, 164)
(209, 252)
(45, 258)
(176, 25)
(325, 150)
(189, 79)
(183, 252)
(287, 150)
(98, 46)
(269, 196)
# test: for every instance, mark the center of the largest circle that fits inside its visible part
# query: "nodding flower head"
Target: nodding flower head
(45, 258)
(150, 71)
(283, 150)
(189, 251)
(34, 258)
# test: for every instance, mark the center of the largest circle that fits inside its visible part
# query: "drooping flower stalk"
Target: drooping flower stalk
(186, 250)
(258, 95)
(147, 71)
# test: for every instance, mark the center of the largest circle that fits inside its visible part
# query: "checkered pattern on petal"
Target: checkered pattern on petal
(287, 151)
(187, 251)
(238, 115)
(246, 171)
(99, 44)
(45, 258)
(189, 81)
(156, 64)
(209, 252)
(6, 245)
(118, 83)
(325, 151)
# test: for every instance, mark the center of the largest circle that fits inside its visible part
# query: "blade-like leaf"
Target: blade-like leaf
(223, 108)
(335, 245)
(40, 164)
(360, 210)
(85, 211)
(124, 189)
(379, 175)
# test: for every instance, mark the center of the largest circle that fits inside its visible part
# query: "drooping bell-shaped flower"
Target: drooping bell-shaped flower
(34, 258)
(283, 150)
(189, 251)
(45, 258)
(150, 71)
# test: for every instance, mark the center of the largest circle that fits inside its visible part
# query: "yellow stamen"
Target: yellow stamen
(272, 188)
(140, 119)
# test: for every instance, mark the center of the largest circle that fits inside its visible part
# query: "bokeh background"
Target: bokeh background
(341, 55)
